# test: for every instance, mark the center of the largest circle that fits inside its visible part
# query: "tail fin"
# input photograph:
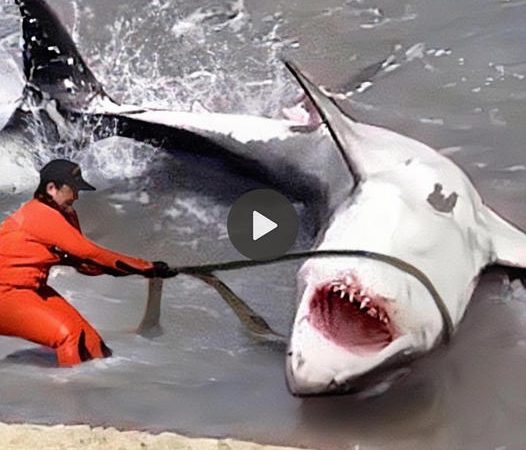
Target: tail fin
(52, 64)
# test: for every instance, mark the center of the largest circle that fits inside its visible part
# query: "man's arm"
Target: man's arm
(49, 227)
(80, 265)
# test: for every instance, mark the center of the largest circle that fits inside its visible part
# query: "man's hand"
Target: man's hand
(160, 269)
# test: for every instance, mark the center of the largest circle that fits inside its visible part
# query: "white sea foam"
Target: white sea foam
(214, 69)
(18, 167)
(11, 87)
(205, 214)
(515, 168)
(115, 158)
(195, 25)
(512, 290)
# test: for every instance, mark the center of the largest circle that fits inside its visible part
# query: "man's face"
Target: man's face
(63, 197)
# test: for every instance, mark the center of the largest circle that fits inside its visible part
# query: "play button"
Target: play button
(262, 224)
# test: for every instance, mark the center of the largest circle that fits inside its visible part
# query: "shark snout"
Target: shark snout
(342, 333)
(316, 366)
(305, 379)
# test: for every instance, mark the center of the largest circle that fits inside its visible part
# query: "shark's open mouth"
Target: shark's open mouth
(351, 316)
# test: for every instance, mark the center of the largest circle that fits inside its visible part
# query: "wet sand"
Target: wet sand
(58, 437)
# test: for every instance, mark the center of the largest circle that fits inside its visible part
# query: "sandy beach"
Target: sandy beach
(62, 437)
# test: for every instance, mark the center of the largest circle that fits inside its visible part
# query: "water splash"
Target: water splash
(213, 55)
(19, 169)
(9, 24)
(209, 59)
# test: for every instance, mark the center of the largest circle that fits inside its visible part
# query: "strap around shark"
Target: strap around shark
(209, 269)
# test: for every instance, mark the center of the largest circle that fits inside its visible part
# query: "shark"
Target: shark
(413, 231)
(360, 318)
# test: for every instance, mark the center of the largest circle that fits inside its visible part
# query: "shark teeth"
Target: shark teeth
(364, 303)
(346, 290)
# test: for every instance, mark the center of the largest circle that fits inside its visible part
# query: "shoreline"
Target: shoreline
(61, 437)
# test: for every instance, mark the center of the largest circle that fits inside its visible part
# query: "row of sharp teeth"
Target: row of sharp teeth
(358, 299)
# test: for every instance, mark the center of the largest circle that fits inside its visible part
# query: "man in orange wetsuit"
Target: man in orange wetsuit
(44, 232)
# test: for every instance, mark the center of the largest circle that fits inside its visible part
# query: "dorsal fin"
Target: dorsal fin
(332, 115)
(366, 149)
(52, 63)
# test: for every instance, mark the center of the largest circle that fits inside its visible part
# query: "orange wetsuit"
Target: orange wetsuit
(34, 238)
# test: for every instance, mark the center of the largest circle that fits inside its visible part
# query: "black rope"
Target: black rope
(203, 269)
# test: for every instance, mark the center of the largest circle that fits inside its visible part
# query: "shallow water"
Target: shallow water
(459, 85)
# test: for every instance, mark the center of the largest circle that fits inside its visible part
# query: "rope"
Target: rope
(208, 269)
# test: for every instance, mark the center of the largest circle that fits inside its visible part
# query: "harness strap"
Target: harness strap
(448, 329)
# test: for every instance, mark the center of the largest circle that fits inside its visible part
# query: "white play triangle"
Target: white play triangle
(261, 225)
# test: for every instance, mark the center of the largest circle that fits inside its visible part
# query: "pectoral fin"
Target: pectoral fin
(509, 242)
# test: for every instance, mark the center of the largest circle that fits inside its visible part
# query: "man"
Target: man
(42, 233)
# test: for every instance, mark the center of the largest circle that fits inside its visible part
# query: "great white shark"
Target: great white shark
(357, 316)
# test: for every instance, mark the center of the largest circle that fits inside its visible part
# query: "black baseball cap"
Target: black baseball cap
(64, 172)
